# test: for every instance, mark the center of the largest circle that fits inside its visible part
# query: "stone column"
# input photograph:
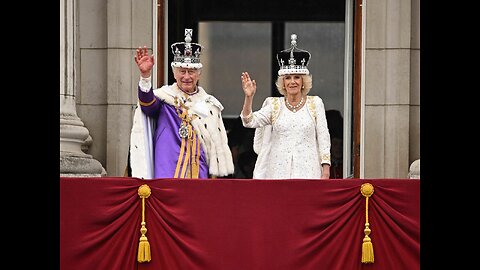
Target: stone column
(73, 134)
(391, 81)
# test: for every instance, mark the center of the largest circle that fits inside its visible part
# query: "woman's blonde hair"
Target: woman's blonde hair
(306, 83)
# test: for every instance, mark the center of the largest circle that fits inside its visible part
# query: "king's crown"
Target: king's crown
(187, 54)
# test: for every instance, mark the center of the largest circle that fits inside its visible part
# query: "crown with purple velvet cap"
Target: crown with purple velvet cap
(186, 54)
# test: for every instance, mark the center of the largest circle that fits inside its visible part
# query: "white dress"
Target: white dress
(297, 144)
(295, 153)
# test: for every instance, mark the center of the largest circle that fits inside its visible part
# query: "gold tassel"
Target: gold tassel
(367, 246)
(144, 246)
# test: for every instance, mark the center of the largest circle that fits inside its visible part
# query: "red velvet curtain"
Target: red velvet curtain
(237, 224)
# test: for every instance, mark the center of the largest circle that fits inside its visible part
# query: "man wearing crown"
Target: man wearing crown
(178, 130)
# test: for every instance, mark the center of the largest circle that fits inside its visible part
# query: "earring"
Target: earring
(303, 86)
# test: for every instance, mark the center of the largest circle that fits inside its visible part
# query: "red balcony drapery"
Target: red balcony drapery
(237, 224)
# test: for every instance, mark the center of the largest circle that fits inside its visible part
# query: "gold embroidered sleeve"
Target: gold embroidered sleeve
(147, 103)
(248, 118)
(325, 159)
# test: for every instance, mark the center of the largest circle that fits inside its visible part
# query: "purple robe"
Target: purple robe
(167, 141)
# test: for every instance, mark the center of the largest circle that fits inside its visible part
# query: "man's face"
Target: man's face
(186, 78)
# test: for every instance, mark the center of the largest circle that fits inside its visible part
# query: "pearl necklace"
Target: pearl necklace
(292, 107)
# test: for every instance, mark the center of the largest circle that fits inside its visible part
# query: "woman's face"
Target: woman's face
(293, 84)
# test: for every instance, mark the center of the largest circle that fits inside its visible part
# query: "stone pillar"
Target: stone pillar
(73, 134)
(391, 79)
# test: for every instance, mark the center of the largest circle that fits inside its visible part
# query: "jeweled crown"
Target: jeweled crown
(187, 54)
(293, 60)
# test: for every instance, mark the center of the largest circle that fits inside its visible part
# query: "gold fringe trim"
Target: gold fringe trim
(144, 246)
(367, 246)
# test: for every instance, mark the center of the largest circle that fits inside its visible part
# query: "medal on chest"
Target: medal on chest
(185, 130)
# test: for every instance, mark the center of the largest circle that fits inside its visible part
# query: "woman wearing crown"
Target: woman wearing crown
(291, 137)
(178, 129)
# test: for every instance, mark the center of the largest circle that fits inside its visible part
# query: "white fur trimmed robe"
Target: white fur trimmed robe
(208, 126)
